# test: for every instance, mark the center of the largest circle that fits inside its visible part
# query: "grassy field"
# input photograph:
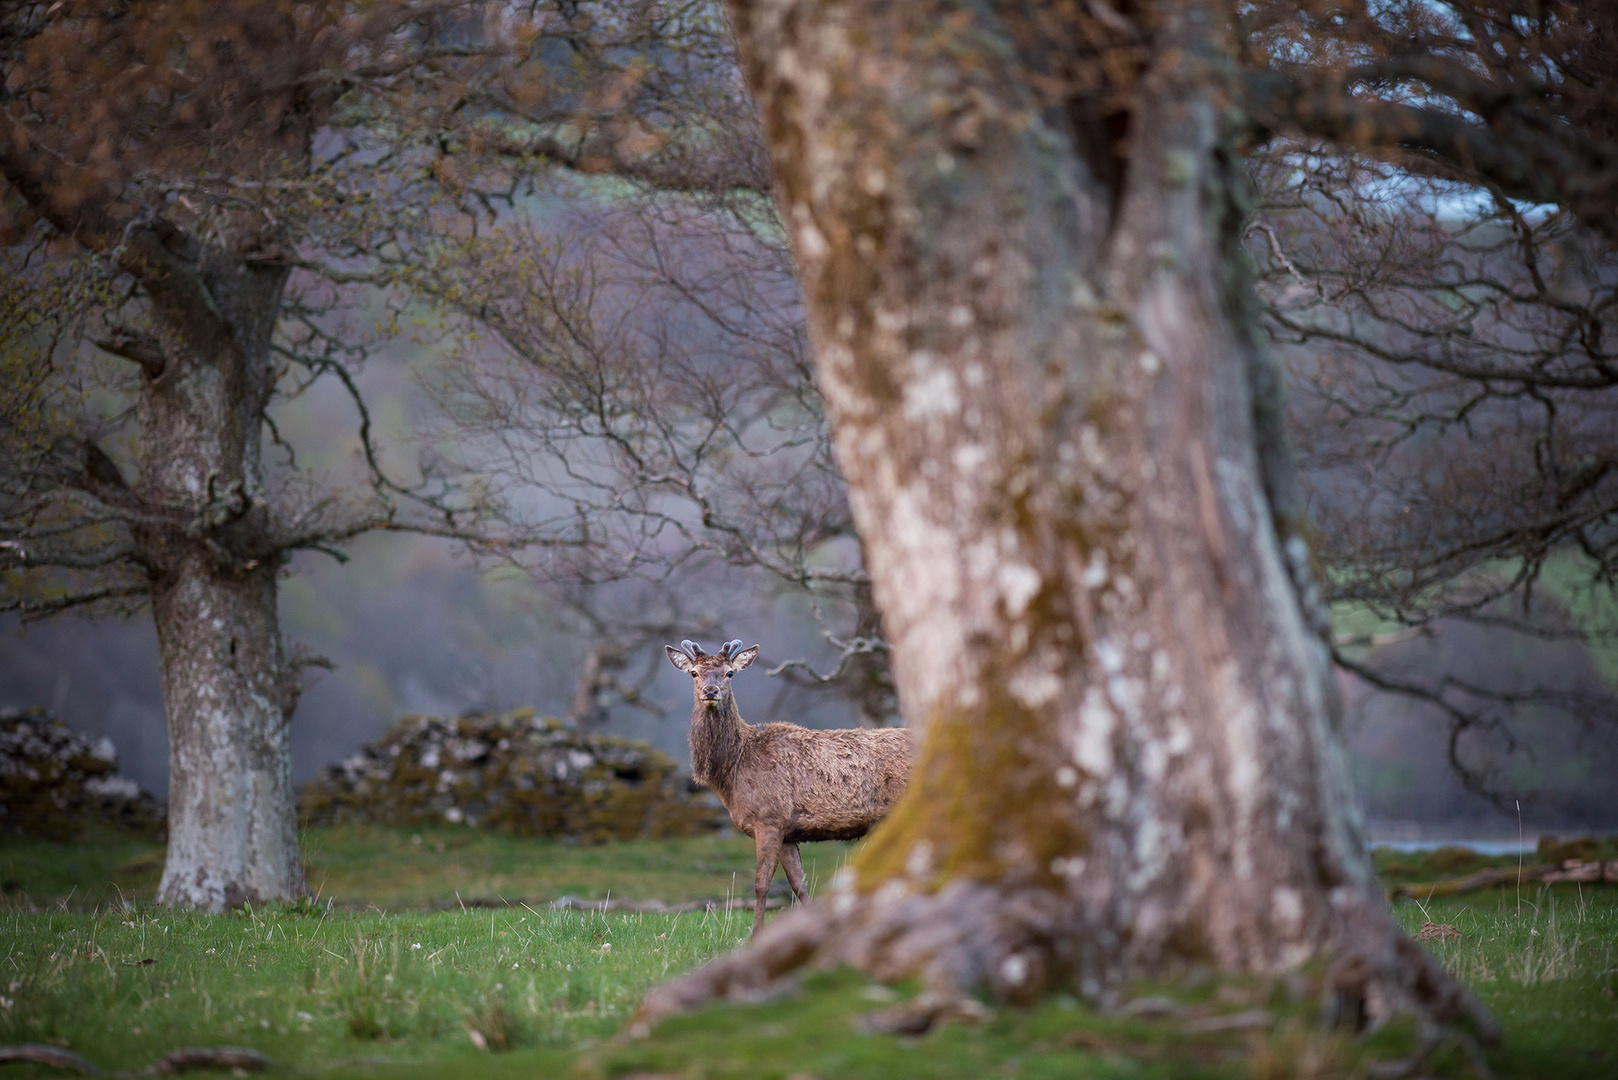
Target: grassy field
(344, 990)
(397, 869)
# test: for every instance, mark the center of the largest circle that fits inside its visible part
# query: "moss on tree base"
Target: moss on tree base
(1020, 946)
(840, 1024)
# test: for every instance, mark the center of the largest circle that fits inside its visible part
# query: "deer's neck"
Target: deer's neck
(717, 734)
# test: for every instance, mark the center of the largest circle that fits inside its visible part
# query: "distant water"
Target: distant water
(1422, 836)
(1482, 847)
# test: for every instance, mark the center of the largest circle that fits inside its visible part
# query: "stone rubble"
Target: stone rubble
(54, 782)
(517, 773)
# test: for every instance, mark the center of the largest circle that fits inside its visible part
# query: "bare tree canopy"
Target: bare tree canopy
(1439, 279)
(640, 359)
(1514, 97)
(1020, 238)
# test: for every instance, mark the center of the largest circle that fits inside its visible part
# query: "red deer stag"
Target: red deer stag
(784, 784)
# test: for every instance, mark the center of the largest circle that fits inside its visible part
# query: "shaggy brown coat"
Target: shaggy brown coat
(784, 784)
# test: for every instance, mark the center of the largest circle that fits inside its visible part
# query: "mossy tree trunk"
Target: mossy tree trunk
(1062, 442)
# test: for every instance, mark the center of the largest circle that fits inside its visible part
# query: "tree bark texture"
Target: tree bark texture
(1060, 434)
(227, 689)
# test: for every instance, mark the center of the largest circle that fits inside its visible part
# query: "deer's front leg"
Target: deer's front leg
(768, 842)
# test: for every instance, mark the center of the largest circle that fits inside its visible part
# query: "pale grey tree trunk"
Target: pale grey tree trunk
(227, 689)
(587, 711)
(1061, 442)
(232, 824)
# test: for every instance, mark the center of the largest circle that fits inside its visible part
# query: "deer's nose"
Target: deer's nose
(711, 693)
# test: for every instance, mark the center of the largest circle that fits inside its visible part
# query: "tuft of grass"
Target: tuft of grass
(491, 1025)
(1301, 1051)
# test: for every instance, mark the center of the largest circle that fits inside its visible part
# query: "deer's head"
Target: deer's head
(710, 672)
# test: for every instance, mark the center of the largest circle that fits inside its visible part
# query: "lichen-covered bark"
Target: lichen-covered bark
(226, 688)
(232, 825)
(1061, 455)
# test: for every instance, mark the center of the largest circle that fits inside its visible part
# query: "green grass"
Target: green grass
(1545, 963)
(331, 991)
(395, 869)
(402, 869)
(97, 871)
(341, 991)
(1547, 970)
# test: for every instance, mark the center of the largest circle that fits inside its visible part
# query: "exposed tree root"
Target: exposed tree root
(1015, 946)
(186, 1059)
(50, 1056)
(1573, 870)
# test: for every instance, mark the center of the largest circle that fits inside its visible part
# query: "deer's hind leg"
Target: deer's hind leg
(793, 861)
(768, 844)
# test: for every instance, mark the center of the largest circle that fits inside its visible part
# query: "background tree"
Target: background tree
(1063, 437)
(236, 206)
(1449, 341)
(192, 530)
(633, 372)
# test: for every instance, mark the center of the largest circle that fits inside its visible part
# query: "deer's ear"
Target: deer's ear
(678, 658)
(743, 658)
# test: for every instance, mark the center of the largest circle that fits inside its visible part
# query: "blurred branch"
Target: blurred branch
(32, 610)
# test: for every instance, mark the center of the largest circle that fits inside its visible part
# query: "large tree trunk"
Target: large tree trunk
(232, 823)
(1062, 446)
(227, 689)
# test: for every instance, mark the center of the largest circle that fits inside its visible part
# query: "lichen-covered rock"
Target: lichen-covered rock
(517, 773)
(54, 782)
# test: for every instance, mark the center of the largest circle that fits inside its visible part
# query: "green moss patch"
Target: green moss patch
(984, 799)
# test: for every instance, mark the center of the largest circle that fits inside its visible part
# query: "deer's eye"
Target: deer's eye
(728, 674)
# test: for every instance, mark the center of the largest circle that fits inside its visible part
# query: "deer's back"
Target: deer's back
(820, 785)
